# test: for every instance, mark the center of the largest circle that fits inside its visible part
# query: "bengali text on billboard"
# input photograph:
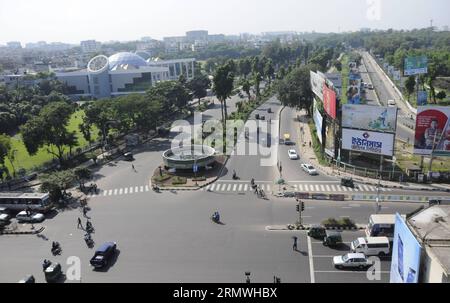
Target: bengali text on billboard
(416, 65)
(406, 252)
(368, 142)
(317, 83)
(329, 101)
(367, 117)
(432, 131)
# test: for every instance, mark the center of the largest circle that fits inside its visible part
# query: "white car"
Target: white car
(391, 103)
(351, 260)
(34, 217)
(309, 169)
(370, 86)
(292, 154)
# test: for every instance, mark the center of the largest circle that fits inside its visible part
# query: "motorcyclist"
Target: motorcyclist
(155, 187)
(89, 226)
(234, 175)
(252, 181)
(46, 264)
(55, 245)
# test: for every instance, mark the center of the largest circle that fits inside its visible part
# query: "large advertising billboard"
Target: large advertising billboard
(317, 83)
(368, 142)
(318, 121)
(432, 131)
(354, 89)
(367, 117)
(329, 101)
(416, 65)
(406, 252)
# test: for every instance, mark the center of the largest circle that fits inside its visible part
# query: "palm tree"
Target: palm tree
(223, 86)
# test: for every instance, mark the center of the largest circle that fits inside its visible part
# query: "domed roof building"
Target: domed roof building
(126, 61)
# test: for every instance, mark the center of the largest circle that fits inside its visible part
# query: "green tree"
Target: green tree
(441, 95)
(269, 70)
(223, 87)
(410, 85)
(82, 174)
(57, 183)
(246, 88)
(245, 67)
(258, 79)
(199, 85)
(5, 151)
(49, 128)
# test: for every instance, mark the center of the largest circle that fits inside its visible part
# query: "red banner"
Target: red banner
(329, 101)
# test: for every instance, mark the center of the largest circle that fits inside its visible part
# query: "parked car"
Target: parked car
(351, 260)
(103, 254)
(292, 154)
(391, 103)
(23, 216)
(308, 168)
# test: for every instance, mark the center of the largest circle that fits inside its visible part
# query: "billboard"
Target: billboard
(368, 117)
(335, 78)
(368, 142)
(330, 138)
(416, 65)
(422, 97)
(317, 83)
(318, 121)
(432, 131)
(354, 91)
(406, 252)
(329, 101)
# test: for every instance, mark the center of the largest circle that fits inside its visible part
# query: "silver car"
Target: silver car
(351, 260)
(32, 218)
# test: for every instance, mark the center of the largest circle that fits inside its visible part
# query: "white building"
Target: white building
(14, 44)
(431, 227)
(123, 73)
(90, 46)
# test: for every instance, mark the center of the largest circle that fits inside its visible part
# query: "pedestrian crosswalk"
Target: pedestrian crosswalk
(298, 187)
(120, 191)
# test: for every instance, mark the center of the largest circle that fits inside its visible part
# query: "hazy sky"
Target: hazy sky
(75, 20)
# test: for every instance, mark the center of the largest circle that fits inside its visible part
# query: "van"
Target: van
(372, 246)
(391, 103)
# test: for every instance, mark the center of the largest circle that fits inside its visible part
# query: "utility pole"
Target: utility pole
(378, 195)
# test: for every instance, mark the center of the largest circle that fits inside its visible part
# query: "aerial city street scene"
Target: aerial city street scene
(225, 141)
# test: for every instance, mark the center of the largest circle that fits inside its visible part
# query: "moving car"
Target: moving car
(332, 238)
(292, 154)
(348, 182)
(391, 103)
(287, 139)
(309, 169)
(371, 246)
(103, 254)
(369, 86)
(33, 217)
(4, 219)
(351, 260)
(317, 232)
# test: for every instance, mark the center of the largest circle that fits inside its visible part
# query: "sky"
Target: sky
(74, 20)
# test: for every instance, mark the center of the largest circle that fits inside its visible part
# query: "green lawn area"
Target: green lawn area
(24, 160)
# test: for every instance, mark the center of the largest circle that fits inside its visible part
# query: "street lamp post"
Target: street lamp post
(378, 195)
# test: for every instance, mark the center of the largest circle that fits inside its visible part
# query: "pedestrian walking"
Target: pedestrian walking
(294, 247)
(79, 224)
(256, 189)
(132, 166)
(85, 211)
(309, 144)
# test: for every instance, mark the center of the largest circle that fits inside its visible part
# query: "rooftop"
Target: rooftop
(432, 228)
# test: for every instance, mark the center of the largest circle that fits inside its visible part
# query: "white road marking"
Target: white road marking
(224, 187)
(147, 189)
(120, 191)
(142, 189)
(105, 193)
(229, 187)
(240, 187)
(110, 192)
(126, 191)
(322, 188)
(328, 188)
(212, 186)
(311, 261)
(235, 187)
(317, 187)
(245, 187)
(295, 186)
(136, 189)
(115, 192)
(131, 190)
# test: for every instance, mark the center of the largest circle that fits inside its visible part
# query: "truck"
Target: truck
(381, 226)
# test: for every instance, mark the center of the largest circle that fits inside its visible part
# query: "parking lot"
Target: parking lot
(321, 262)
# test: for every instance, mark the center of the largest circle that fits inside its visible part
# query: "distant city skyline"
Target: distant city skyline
(73, 21)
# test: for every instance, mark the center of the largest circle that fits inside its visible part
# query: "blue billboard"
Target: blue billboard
(405, 254)
(422, 96)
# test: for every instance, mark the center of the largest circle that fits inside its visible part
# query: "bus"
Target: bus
(18, 201)
(381, 226)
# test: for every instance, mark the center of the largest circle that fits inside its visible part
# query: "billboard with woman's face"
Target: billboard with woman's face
(432, 131)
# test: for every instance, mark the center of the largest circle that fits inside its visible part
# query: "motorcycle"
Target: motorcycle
(46, 264)
(88, 240)
(155, 188)
(56, 249)
(89, 228)
(235, 177)
(215, 217)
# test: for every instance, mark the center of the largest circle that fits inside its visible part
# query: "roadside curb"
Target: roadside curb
(291, 227)
(23, 232)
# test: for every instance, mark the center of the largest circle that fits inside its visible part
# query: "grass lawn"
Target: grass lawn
(24, 160)
(405, 158)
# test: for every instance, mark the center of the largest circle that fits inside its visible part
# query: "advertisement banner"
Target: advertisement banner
(317, 83)
(432, 131)
(318, 121)
(422, 98)
(330, 148)
(368, 117)
(329, 101)
(368, 142)
(354, 91)
(335, 78)
(416, 65)
(405, 254)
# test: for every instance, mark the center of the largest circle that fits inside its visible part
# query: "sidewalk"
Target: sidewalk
(309, 154)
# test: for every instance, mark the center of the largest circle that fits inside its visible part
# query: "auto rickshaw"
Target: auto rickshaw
(317, 232)
(332, 238)
(53, 272)
(348, 182)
